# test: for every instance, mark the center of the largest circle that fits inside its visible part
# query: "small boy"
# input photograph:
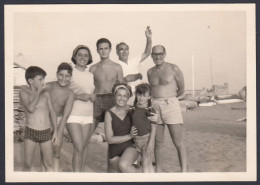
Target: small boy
(62, 98)
(39, 116)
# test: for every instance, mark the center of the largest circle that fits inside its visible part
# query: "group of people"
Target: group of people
(134, 113)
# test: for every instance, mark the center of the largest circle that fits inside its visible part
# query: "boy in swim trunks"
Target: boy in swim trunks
(62, 98)
(39, 116)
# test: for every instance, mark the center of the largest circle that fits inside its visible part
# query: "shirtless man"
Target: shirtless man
(62, 99)
(167, 84)
(106, 73)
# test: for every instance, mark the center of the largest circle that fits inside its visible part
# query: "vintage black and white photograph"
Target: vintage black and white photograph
(105, 93)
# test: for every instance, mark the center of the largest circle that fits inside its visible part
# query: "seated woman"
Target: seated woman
(120, 132)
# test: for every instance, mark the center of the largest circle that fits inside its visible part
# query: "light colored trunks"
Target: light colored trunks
(169, 110)
(80, 119)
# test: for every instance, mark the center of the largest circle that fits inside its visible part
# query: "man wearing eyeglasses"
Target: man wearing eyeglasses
(167, 84)
(131, 66)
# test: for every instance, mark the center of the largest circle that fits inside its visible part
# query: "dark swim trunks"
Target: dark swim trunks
(102, 103)
(39, 136)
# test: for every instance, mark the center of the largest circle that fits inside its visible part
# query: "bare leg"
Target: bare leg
(127, 159)
(75, 132)
(42, 166)
(94, 126)
(86, 137)
(56, 159)
(47, 155)
(176, 135)
(159, 140)
(147, 163)
(114, 165)
(29, 150)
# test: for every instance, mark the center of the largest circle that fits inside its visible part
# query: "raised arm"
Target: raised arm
(148, 47)
(111, 139)
(179, 80)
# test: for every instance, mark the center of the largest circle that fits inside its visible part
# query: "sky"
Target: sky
(46, 39)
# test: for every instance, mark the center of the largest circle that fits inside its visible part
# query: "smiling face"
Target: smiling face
(103, 50)
(142, 99)
(123, 52)
(82, 58)
(63, 77)
(158, 55)
(121, 97)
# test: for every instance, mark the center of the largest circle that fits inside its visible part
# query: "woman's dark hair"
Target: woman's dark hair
(32, 71)
(142, 89)
(124, 84)
(75, 51)
(65, 66)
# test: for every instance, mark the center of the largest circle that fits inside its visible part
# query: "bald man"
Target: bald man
(167, 84)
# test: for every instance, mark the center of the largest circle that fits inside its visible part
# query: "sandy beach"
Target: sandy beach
(215, 142)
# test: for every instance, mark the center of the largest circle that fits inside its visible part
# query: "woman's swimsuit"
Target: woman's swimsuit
(120, 128)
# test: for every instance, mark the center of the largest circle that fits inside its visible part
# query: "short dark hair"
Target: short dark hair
(32, 71)
(75, 51)
(121, 43)
(124, 84)
(142, 89)
(65, 66)
(103, 40)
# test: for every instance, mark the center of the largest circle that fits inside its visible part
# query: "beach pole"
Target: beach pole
(211, 73)
(193, 82)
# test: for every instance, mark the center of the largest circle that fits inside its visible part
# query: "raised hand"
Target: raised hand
(148, 32)
(42, 88)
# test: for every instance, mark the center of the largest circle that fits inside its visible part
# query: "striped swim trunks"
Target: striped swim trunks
(39, 136)
(102, 103)
(169, 110)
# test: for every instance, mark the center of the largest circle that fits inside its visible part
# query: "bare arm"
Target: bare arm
(66, 113)
(111, 139)
(179, 80)
(148, 47)
(148, 75)
(120, 73)
(28, 105)
(76, 90)
(53, 115)
(92, 69)
(133, 77)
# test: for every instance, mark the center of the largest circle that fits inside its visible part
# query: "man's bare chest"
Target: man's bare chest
(161, 77)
